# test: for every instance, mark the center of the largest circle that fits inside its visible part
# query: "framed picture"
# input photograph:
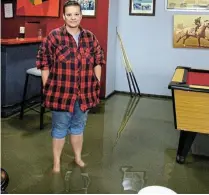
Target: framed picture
(191, 31)
(8, 10)
(187, 5)
(142, 7)
(45, 8)
(88, 7)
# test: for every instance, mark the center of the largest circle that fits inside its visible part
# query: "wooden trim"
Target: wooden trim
(199, 87)
(179, 75)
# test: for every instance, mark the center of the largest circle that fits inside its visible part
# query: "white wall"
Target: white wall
(111, 48)
(149, 46)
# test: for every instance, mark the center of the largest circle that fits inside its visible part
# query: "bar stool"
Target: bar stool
(35, 73)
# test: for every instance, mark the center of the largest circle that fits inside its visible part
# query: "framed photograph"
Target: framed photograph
(187, 5)
(45, 8)
(142, 7)
(8, 10)
(88, 7)
(191, 31)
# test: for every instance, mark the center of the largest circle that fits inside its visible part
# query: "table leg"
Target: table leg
(185, 142)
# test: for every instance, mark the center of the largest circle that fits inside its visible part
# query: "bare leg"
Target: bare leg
(57, 145)
(77, 144)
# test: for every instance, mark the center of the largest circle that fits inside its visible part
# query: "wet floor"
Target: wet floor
(128, 144)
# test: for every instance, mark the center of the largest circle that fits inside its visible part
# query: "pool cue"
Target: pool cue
(128, 66)
(127, 75)
(132, 104)
(134, 82)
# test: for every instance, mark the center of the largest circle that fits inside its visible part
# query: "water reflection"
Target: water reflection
(132, 104)
(77, 180)
(71, 179)
(133, 180)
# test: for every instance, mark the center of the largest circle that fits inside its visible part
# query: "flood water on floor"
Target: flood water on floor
(129, 143)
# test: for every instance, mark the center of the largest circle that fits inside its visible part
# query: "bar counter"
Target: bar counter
(19, 41)
(17, 55)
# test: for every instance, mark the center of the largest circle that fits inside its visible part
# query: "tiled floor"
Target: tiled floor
(120, 160)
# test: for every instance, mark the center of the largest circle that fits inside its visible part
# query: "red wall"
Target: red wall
(98, 25)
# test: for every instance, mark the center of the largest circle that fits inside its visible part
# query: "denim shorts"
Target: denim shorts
(64, 123)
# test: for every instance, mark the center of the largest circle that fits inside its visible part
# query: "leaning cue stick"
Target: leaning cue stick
(128, 66)
(127, 62)
(127, 76)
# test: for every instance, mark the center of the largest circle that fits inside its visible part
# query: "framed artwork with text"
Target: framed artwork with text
(142, 7)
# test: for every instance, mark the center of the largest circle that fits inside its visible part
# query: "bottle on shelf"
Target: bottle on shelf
(39, 33)
(22, 32)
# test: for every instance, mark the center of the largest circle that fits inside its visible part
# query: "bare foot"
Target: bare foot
(80, 163)
(56, 168)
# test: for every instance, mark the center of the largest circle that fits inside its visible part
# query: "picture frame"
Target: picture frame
(191, 31)
(187, 5)
(88, 8)
(38, 8)
(142, 7)
(8, 10)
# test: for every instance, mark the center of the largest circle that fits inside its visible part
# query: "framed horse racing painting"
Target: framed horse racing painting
(191, 31)
(142, 7)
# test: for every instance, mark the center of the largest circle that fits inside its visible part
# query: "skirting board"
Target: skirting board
(142, 95)
(14, 109)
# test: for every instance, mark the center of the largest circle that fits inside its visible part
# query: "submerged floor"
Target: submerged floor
(119, 160)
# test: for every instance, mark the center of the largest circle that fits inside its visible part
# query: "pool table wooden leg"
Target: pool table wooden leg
(185, 142)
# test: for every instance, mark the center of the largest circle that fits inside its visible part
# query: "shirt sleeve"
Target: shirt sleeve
(44, 59)
(99, 53)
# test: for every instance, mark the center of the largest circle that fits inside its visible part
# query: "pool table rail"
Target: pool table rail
(180, 77)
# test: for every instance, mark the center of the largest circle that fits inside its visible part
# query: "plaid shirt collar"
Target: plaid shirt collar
(65, 32)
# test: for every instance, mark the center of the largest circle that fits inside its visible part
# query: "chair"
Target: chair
(35, 73)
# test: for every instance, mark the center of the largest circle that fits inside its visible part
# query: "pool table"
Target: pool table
(190, 97)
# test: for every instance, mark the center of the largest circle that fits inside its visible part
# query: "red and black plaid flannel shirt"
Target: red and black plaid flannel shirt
(71, 69)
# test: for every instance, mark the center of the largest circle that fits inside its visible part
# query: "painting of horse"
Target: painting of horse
(191, 31)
